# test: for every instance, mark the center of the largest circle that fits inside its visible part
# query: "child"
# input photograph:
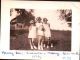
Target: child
(47, 32)
(32, 34)
(40, 33)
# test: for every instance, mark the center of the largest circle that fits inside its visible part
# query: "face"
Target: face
(39, 21)
(45, 21)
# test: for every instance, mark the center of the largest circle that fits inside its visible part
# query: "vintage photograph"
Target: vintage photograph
(40, 29)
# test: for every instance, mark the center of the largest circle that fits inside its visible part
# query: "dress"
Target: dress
(39, 29)
(32, 32)
(47, 31)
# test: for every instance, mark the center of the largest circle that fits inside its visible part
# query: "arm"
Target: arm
(49, 25)
(30, 28)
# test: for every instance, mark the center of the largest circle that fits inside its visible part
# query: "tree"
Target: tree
(24, 16)
(66, 15)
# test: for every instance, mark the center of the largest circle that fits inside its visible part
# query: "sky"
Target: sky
(53, 19)
(52, 16)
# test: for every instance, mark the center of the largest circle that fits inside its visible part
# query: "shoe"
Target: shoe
(47, 46)
(35, 47)
(31, 47)
(51, 45)
(39, 48)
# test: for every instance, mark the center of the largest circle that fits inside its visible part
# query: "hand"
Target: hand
(43, 29)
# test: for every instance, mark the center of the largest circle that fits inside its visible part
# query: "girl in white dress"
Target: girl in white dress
(40, 33)
(47, 32)
(32, 34)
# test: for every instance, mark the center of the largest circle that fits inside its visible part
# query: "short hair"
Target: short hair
(45, 19)
(38, 18)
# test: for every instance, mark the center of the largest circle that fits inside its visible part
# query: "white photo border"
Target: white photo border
(5, 25)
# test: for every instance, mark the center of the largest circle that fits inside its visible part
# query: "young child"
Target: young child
(47, 32)
(32, 34)
(40, 33)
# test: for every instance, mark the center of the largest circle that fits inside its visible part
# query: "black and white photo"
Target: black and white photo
(40, 29)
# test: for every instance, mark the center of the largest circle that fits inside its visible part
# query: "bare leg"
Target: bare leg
(31, 44)
(42, 40)
(39, 42)
(46, 42)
